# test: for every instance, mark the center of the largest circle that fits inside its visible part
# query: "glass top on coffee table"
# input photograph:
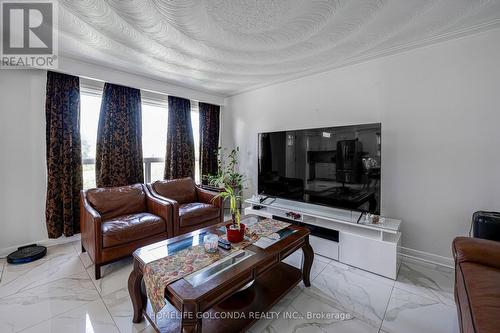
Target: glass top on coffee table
(203, 275)
(171, 246)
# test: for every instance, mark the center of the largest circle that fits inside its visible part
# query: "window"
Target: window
(89, 118)
(154, 139)
(154, 134)
(195, 123)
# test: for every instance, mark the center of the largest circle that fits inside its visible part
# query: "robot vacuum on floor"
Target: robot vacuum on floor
(26, 254)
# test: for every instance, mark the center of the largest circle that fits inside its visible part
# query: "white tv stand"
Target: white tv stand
(372, 247)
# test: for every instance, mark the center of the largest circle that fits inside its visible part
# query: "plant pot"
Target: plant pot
(235, 235)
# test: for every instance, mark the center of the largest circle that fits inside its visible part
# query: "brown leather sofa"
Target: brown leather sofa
(192, 206)
(477, 284)
(116, 221)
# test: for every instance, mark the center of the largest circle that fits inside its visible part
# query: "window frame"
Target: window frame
(95, 88)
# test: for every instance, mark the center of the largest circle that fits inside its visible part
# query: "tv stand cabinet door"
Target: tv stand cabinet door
(376, 256)
(325, 247)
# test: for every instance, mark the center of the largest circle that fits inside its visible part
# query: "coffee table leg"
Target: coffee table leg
(134, 290)
(190, 322)
(308, 261)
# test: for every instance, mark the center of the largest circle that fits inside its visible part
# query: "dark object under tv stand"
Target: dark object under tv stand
(330, 234)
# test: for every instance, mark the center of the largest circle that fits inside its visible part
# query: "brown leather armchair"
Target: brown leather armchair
(477, 287)
(192, 206)
(116, 221)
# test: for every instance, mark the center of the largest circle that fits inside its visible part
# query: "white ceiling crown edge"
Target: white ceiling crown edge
(463, 33)
(98, 72)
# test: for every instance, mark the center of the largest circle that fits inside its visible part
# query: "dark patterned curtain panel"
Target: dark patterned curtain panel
(179, 160)
(64, 156)
(119, 137)
(209, 139)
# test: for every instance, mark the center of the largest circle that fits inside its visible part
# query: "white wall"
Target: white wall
(22, 150)
(440, 112)
(22, 144)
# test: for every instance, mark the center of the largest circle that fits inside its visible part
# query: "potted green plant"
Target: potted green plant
(227, 171)
(235, 230)
(231, 182)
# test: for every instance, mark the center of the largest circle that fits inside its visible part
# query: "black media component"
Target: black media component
(321, 232)
(486, 225)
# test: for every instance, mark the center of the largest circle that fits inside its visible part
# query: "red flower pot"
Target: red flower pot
(235, 235)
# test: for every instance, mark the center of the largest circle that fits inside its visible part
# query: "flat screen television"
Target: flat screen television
(333, 166)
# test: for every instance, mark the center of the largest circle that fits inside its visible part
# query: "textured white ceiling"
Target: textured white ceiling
(228, 46)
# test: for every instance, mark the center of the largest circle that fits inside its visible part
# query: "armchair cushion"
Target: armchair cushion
(196, 213)
(117, 201)
(182, 190)
(128, 228)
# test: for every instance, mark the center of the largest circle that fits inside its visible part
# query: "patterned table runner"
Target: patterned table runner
(160, 273)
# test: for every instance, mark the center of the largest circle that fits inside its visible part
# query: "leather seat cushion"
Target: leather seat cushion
(182, 190)
(194, 213)
(111, 202)
(129, 228)
(481, 297)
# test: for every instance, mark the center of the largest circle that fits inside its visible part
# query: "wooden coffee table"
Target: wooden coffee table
(203, 300)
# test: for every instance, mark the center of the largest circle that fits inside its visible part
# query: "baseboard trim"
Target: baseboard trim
(45, 242)
(427, 257)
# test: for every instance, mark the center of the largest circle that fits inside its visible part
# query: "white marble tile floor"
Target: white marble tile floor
(59, 294)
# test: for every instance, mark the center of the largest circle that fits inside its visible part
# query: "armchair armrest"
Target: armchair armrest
(90, 226)
(161, 208)
(482, 251)
(89, 214)
(207, 196)
(152, 193)
(92, 213)
(210, 197)
(174, 209)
